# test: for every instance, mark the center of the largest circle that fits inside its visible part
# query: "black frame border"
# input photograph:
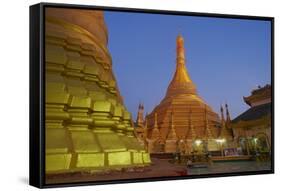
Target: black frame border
(37, 93)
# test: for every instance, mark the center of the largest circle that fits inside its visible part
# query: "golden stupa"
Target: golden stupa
(88, 127)
(182, 115)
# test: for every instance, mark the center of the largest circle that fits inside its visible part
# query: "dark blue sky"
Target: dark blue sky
(226, 58)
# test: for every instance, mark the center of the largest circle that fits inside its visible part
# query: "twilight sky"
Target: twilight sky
(226, 58)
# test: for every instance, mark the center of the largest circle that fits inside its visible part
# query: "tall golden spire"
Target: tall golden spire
(181, 82)
(155, 121)
(140, 120)
(190, 134)
(224, 131)
(172, 133)
(145, 128)
(155, 132)
(182, 98)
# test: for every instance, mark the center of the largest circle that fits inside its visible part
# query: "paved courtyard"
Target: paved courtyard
(161, 168)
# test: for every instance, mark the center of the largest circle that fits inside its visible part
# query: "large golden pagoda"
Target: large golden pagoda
(87, 125)
(182, 115)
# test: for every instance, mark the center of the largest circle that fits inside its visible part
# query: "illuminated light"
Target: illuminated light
(220, 140)
(198, 142)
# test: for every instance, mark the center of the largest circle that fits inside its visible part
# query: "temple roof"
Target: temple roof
(257, 95)
(254, 113)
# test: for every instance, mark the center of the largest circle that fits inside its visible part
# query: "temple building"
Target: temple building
(183, 120)
(252, 128)
(88, 128)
